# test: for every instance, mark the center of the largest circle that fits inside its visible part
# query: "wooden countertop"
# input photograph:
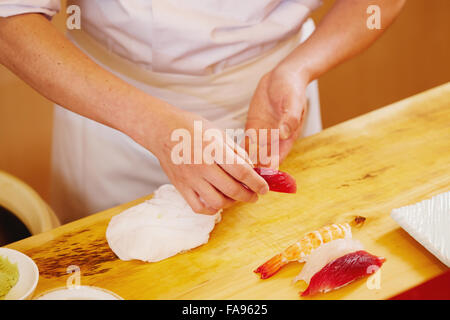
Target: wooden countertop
(389, 158)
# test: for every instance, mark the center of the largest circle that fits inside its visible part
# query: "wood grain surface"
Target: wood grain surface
(395, 156)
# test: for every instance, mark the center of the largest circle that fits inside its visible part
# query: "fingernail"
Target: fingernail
(264, 190)
(211, 211)
(285, 131)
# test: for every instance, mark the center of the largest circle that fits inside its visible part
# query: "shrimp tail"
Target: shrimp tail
(269, 268)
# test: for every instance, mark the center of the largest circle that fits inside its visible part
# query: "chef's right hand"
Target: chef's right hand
(206, 187)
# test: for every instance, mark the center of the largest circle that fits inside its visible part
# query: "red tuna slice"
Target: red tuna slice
(277, 180)
(342, 271)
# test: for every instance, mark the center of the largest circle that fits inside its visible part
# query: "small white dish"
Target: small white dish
(429, 223)
(28, 274)
(79, 293)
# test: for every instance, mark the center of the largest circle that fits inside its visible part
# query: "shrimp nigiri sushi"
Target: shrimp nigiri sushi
(306, 245)
(342, 271)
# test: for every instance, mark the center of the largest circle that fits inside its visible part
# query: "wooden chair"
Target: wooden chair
(22, 201)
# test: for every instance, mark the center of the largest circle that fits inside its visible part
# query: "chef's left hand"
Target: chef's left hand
(279, 102)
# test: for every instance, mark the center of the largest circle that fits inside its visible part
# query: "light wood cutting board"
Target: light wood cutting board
(386, 159)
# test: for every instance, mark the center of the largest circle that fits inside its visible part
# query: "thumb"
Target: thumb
(287, 100)
(291, 116)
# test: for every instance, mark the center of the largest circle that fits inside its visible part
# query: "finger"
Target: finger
(291, 117)
(285, 146)
(236, 153)
(245, 174)
(194, 201)
(262, 147)
(249, 144)
(290, 104)
(228, 186)
(213, 198)
(242, 153)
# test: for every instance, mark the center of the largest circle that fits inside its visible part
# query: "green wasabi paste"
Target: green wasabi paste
(9, 274)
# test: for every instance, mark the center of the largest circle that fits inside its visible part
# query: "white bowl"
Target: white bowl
(28, 274)
(79, 293)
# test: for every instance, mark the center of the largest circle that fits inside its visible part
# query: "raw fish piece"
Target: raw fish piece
(342, 271)
(326, 253)
(278, 181)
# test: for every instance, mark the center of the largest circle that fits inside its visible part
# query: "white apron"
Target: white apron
(95, 167)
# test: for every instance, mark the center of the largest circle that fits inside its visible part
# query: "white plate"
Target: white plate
(79, 293)
(28, 274)
(429, 223)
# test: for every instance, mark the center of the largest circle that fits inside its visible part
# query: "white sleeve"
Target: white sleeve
(311, 4)
(14, 7)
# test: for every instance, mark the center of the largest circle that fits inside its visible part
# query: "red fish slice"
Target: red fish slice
(342, 271)
(278, 181)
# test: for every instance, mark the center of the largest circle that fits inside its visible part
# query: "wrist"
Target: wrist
(145, 121)
(294, 74)
(300, 65)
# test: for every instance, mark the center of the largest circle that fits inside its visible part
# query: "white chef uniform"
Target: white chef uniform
(204, 56)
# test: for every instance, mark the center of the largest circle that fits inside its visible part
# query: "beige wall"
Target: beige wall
(411, 57)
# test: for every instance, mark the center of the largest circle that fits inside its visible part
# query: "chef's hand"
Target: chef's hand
(279, 102)
(207, 187)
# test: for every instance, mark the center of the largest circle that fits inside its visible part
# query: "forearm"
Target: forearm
(341, 34)
(35, 51)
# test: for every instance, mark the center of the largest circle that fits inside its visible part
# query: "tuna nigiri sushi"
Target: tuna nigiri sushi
(325, 254)
(342, 271)
(306, 245)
